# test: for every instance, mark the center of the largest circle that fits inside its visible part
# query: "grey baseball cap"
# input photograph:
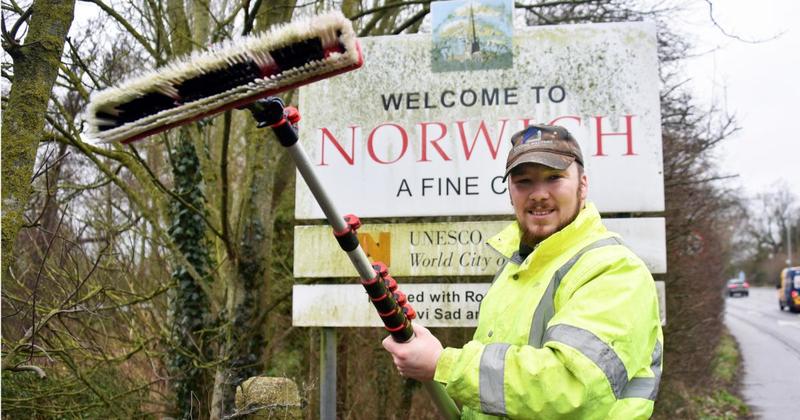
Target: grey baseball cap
(549, 145)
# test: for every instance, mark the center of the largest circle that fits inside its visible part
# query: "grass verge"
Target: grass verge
(725, 402)
(721, 401)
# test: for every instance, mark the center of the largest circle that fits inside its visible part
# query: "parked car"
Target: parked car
(738, 287)
(789, 289)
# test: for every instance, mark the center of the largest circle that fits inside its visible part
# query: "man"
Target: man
(570, 327)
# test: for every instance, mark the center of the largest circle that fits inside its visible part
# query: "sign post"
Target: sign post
(327, 372)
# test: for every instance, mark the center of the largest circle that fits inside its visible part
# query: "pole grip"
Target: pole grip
(384, 300)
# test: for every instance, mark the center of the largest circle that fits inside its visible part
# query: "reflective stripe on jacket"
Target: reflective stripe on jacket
(573, 331)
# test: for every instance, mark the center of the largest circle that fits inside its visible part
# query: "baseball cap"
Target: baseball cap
(549, 145)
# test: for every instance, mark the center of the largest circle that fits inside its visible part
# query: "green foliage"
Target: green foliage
(190, 306)
(719, 401)
(721, 405)
(727, 363)
(288, 362)
(726, 367)
(27, 396)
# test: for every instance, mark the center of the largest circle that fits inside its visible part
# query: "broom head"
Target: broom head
(226, 75)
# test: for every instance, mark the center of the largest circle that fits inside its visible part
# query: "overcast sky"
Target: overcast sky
(758, 82)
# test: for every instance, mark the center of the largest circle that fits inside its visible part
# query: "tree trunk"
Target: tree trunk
(243, 341)
(36, 64)
(190, 306)
(243, 330)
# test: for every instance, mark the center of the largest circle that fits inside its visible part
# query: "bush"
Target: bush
(64, 396)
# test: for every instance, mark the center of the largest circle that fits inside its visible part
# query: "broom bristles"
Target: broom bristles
(180, 92)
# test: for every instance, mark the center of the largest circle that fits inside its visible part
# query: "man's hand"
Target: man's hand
(417, 358)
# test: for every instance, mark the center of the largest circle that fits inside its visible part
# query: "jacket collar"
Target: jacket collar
(586, 225)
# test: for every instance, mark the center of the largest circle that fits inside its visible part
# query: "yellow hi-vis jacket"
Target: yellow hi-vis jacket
(573, 331)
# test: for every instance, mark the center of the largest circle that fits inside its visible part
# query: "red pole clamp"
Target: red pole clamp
(379, 298)
(390, 283)
(293, 115)
(380, 268)
(391, 312)
(289, 113)
(409, 311)
(371, 281)
(400, 298)
(353, 223)
(381, 272)
(397, 328)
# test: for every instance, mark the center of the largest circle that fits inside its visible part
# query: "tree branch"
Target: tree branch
(154, 179)
(12, 35)
(388, 7)
(128, 27)
(412, 20)
(29, 368)
(736, 37)
(519, 5)
(223, 169)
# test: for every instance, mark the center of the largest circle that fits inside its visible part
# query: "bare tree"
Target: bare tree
(772, 219)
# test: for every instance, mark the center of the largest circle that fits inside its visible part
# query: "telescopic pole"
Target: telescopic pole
(270, 112)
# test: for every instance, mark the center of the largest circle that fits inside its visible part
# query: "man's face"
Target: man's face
(546, 199)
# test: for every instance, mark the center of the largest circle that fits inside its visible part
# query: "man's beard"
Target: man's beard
(532, 239)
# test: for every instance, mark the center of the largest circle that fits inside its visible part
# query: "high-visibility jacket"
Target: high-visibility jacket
(572, 331)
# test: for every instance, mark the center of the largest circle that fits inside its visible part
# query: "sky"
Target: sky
(757, 82)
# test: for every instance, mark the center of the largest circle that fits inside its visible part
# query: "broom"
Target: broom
(237, 75)
(227, 75)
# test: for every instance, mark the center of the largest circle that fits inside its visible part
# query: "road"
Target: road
(769, 340)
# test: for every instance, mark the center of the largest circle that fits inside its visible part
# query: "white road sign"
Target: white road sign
(447, 249)
(396, 139)
(437, 305)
